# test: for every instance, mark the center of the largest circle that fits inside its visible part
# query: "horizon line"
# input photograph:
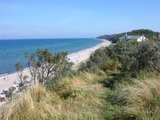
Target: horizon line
(47, 38)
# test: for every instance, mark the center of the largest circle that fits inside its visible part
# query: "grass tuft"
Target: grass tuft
(75, 98)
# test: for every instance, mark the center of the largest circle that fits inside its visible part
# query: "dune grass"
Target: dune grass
(84, 97)
(75, 98)
(137, 101)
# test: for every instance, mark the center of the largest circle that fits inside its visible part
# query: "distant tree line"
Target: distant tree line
(115, 37)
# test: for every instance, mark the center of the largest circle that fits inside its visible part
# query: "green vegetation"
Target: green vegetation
(119, 82)
(138, 100)
(127, 57)
(46, 68)
(115, 37)
(75, 98)
(19, 69)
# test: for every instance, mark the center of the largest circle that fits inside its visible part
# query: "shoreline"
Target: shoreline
(11, 72)
(9, 79)
(84, 54)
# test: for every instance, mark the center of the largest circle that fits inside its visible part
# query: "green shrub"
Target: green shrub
(111, 65)
(147, 57)
(129, 56)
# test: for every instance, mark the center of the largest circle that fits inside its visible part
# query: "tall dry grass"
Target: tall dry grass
(137, 101)
(82, 97)
(75, 98)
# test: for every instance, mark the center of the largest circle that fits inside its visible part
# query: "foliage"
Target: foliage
(146, 32)
(147, 57)
(115, 37)
(126, 56)
(19, 69)
(112, 90)
(96, 60)
(44, 66)
(111, 65)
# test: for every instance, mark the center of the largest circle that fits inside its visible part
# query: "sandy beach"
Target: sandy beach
(83, 55)
(8, 80)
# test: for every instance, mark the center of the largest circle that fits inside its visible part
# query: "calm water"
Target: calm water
(12, 51)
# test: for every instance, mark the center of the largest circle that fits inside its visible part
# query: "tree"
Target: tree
(19, 69)
(44, 66)
(31, 62)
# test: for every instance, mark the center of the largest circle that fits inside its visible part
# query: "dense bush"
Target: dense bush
(96, 60)
(111, 65)
(125, 56)
(147, 57)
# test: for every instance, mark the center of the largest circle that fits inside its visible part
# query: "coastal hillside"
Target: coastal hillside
(118, 82)
(152, 35)
(65, 60)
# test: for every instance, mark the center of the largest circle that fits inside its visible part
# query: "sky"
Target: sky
(75, 18)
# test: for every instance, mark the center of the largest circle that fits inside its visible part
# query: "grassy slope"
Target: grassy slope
(79, 97)
(134, 100)
(83, 97)
(111, 96)
(99, 96)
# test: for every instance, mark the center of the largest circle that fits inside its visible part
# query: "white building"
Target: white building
(133, 38)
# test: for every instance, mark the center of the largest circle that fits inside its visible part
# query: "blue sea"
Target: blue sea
(12, 51)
